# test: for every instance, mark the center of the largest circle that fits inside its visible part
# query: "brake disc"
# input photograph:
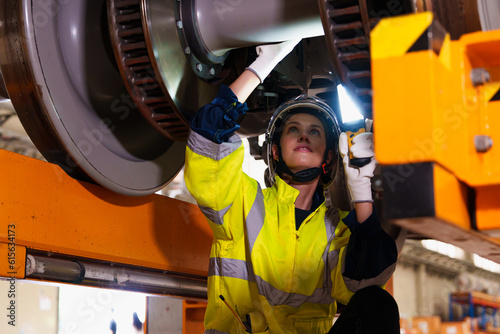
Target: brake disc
(65, 85)
(121, 123)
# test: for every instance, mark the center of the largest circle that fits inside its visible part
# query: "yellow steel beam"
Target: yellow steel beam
(427, 108)
(51, 212)
(433, 126)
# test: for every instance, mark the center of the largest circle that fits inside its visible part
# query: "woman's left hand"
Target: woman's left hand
(358, 178)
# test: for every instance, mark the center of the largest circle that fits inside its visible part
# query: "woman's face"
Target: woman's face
(303, 143)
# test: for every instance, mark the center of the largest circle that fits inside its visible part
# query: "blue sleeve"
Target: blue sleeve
(216, 121)
(370, 249)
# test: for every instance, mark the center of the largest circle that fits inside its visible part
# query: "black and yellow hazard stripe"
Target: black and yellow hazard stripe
(431, 38)
(397, 36)
(493, 94)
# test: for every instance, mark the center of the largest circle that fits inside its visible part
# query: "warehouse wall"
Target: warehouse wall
(422, 293)
(439, 289)
(422, 284)
(164, 315)
(405, 290)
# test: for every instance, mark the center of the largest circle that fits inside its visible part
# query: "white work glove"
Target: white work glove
(268, 56)
(358, 179)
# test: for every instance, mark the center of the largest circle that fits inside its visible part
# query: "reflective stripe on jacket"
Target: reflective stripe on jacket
(287, 281)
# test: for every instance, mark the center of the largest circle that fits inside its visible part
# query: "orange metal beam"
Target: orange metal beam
(445, 216)
(52, 212)
(193, 314)
(13, 259)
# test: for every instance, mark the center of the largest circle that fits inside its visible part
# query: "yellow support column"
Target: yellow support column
(437, 130)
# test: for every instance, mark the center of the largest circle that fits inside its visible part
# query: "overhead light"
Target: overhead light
(444, 248)
(486, 264)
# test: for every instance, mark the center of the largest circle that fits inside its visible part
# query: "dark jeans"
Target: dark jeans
(371, 310)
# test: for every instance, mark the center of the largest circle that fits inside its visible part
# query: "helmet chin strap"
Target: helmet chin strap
(306, 175)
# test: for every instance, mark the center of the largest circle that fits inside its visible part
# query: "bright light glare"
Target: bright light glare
(458, 253)
(91, 310)
(444, 248)
(349, 111)
(486, 264)
(135, 302)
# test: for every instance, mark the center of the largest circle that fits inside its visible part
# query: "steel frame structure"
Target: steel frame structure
(436, 128)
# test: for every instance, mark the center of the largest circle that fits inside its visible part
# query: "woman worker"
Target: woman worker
(280, 259)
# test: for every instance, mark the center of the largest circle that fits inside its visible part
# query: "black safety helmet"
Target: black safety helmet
(309, 105)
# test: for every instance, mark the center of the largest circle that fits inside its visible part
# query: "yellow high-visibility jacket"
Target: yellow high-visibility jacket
(285, 280)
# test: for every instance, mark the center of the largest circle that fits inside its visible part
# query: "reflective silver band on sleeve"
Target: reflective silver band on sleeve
(380, 279)
(207, 148)
(224, 267)
(217, 217)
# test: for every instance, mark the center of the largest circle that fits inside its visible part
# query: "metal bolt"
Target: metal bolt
(30, 265)
(483, 143)
(187, 50)
(179, 24)
(211, 71)
(199, 67)
(479, 76)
